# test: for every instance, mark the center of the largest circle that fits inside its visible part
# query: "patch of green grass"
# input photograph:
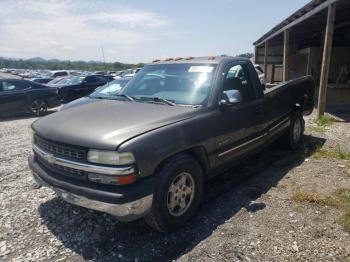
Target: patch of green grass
(332, 153)
(345, 221)
(314, 198)
(340, 201)
(343, 194)
(324, 120)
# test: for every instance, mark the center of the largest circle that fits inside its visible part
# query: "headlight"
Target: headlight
(110, 157)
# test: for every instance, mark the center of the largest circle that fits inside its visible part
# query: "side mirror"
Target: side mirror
(230, 97)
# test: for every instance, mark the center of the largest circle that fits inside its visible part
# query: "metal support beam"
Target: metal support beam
(266, 58)
(307, 15)
(326, 59)
(285, 55)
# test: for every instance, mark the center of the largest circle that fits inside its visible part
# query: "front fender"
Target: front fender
(152, 148)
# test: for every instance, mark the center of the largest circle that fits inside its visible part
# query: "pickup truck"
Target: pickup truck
(147, 150)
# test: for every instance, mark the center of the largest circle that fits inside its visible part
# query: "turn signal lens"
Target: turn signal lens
(112, 180)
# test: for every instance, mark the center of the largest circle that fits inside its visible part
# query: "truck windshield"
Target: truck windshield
(186, 84)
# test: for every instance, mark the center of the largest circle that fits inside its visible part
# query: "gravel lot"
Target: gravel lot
(247, 215)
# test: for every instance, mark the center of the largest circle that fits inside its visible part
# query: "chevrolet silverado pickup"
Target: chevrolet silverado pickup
(146, 150)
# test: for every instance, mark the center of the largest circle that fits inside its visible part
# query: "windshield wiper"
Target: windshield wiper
(113, 97)
(159, 99)
(130, 98)
(97, 97)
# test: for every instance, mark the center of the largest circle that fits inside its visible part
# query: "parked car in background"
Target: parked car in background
(55, 80)
(73, 87)
(17, 95)
(261, 75)
(41, 80)
(57, 73)
(100, 73)
(147, 150)
(109, 90)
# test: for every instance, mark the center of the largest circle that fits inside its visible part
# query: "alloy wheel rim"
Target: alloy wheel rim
(180, 194)
(38, 107)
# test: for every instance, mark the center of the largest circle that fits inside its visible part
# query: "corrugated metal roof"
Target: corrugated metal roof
(313, 5)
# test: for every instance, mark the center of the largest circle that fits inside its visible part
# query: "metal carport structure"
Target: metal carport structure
(315, 40)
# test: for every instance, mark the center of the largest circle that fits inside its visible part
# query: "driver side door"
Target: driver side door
(239, 125)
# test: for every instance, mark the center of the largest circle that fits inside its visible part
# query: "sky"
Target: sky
(136, 31)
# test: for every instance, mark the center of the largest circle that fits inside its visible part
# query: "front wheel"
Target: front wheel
(294, 135)
(38, 107)
(177, 195)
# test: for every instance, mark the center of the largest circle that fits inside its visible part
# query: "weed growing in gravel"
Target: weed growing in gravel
(345, 221)
(314, 198)
(324, 120)
(341, 201)
(332, 153)
(344, 194)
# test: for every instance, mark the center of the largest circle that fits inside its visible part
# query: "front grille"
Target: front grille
(62, 150)
(69, 170)
(62, 170)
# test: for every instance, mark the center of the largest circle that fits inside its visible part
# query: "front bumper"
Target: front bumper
(121, 205)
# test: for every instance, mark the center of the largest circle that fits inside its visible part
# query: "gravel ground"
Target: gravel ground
(247, 215)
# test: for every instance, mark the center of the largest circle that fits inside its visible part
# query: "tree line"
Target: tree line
(54, 64)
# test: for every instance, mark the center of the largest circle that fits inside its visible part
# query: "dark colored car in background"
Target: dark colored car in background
(73, 87)
(41, 80)
(18, 96)
(109, 90)
(147, 150)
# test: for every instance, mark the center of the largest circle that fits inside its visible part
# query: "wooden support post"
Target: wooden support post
(273, 73)
(256, 59)
(286, 55)
(326, 59)
(266, 58)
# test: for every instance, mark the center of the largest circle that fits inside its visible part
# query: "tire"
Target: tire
(38, 107)
(170, 209)
(293, 138)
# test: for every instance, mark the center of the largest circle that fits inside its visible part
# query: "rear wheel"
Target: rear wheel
(177, 195)
(294, 135)
(38, 107)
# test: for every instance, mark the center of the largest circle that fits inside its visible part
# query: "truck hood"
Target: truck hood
(105, 124)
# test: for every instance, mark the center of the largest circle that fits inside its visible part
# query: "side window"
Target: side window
(90, 79)
(63, 73)
(238, 78)
(12, 86)
(101, 79)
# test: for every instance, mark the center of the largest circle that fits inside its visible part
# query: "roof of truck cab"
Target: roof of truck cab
(199, 60)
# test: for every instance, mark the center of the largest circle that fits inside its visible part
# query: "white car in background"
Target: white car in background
(261, 74)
